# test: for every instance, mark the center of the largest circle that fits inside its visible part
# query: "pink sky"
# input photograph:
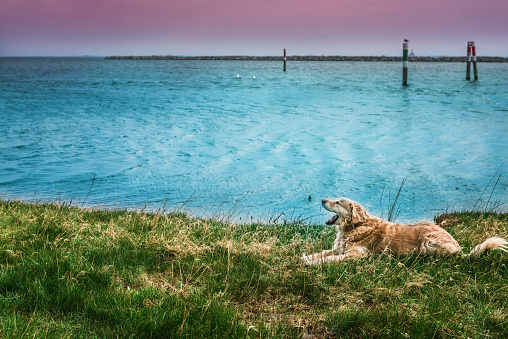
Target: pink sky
(251, 27)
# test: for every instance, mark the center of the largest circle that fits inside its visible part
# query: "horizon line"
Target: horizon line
(239, 55)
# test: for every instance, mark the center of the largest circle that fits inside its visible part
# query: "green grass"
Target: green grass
(72, 272)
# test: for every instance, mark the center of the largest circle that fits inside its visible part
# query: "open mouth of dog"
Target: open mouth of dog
(332, 220)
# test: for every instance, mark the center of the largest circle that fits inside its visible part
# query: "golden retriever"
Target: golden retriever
(360, 234)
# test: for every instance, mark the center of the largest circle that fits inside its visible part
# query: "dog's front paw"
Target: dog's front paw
(312, 262)
(306, 259)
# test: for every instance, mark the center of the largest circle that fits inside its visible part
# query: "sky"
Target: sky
(251, 27)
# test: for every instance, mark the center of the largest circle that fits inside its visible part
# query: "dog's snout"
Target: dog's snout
(323, 201)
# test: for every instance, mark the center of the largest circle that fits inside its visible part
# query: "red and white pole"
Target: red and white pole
(468, 67)
(284, 59)
(473, 47)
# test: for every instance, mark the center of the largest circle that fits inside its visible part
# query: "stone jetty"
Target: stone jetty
(312, 58)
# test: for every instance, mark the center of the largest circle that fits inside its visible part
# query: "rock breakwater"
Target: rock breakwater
(312, 58)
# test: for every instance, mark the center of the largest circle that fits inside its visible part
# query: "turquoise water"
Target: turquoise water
(167, 134)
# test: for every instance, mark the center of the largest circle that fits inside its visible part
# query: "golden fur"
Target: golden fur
(360, 234)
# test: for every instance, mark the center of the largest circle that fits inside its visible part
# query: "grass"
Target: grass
(74, 272)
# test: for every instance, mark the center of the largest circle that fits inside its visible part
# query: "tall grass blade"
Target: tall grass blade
(393, 210)
(485, 189)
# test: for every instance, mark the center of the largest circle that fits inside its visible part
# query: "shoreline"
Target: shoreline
(312, 58)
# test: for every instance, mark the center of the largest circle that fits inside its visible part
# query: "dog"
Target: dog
(359, 234)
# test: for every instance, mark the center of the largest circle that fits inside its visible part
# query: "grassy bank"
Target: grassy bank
(72, 272)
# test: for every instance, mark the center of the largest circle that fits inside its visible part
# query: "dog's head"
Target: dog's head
(345, 210)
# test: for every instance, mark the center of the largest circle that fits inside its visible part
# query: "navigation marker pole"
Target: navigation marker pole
(474, 61)
(468, 67)
(405, 61)
(284, 59)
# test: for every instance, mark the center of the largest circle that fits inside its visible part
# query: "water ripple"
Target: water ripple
(164, 132)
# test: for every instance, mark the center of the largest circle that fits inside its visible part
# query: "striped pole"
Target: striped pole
(405, 61)
(468, 67)
(284, 59)
(473, 47)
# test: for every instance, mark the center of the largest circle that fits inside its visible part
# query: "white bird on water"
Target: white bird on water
(238, 76)
(253, 76)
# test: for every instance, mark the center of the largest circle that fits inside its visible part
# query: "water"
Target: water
(130, 134)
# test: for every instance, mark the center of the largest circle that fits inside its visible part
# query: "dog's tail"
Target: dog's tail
(490, 244)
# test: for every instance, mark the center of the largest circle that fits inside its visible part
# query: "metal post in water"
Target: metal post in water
(473, 47)
(405, 61)
(468, 67)
(284, 59)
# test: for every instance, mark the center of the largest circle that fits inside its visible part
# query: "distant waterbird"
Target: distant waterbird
(238, 76)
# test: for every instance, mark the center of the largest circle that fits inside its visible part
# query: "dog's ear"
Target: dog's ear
(351, 215)
(351, 211)
(359, 213)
